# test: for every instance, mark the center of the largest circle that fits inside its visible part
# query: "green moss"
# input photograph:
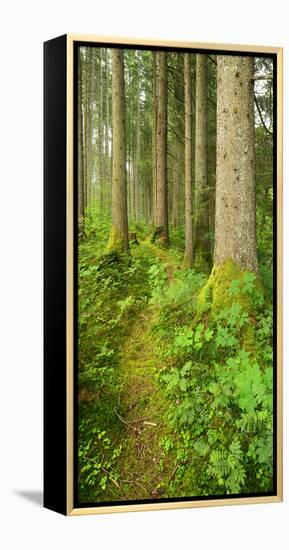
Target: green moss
(215, 293)
(115, 242)
(249, 339)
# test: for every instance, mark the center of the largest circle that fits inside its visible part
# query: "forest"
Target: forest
(175, 204)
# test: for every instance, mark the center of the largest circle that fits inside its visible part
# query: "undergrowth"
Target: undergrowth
(113, 290)
(214, 370)
(218, 376)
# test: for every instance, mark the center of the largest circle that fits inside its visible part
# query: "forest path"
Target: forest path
(145, 471)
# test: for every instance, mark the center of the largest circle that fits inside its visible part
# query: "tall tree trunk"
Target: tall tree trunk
(154, 142)
(107, 159)
(132, 166)
(161, 149)
(84, 126)
(176, 186)
(80, 174)
(100, 135)
(188, 258)
(235, 222)
(108, 134)
(138, 190)
(202, 256)
(118, 240)
(89, 125)
(148, 200)
(93, 115)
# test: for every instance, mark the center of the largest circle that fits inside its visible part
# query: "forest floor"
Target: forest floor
(162, 411)
(144, 471)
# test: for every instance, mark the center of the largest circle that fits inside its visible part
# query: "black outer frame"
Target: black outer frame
(55, 148)
(55, 281)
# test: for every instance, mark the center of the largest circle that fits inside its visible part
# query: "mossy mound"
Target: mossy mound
(215, 294)
(116, 242)
(227, 285)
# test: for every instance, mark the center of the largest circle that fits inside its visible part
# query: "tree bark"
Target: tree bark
(107, 159)
(80, 173)
(118, 240)
(202, 255)
(154, 142)
(100, 135)
(188, 258)
(161, 149)
(88, 137)
(176, 185)
(235, 221)
(138, 186)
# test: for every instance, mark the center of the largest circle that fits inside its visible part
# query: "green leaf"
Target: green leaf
(208, 334)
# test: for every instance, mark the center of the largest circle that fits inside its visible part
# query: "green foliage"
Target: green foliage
(216, 368)
(97, 457)
(157, 276)
(97, 225)
(113, 288)
(211, 339)
(221, 392)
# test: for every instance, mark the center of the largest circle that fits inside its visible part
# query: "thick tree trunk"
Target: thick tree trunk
(119, 232)
(161, 149)
(188, 258)
(80, 174)
(202, 255)
(235, 222)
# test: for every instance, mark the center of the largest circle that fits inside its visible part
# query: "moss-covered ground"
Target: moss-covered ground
(130, 406)
(174, 377)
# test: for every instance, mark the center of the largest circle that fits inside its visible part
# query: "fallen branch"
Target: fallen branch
(134, 421)
(124, 421)
(150, 423)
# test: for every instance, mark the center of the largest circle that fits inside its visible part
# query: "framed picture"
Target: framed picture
(163, 274)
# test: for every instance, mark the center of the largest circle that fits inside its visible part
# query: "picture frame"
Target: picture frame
(61, 283)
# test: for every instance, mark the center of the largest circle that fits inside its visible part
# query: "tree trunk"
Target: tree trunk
(154, 142)
(202, 254)
(118, 240)
(80, 173)
(235, 222)
(132, 166)
(107, 159)
(138, 187)
(100, 135)
(84, 125)
(88, 138)
(188, 258)
(161, 149)
(176, 185)
(235, 218)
